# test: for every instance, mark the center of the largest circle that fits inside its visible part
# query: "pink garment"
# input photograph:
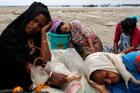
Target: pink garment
(73, 87)
(135, 35)
(80, 32)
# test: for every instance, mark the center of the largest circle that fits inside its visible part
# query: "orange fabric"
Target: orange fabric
(137, 60)
(39, 88)
(17, 89)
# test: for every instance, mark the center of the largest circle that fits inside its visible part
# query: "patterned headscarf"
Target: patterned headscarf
(56, 23)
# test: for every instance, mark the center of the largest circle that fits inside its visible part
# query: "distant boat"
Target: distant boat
(65, 5)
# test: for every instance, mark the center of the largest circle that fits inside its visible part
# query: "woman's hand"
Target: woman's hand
(45, 54)
(58, 79)
(127, 50)
(47, 27)
(101, 88)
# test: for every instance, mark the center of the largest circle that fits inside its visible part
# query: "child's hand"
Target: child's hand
(92, 49)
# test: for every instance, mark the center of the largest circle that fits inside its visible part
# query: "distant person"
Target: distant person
(23, 42)
(127, 36)
(83, 37)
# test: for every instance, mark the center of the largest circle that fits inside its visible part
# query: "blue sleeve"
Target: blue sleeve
(120, 87)
(133, 87)
(129, 61)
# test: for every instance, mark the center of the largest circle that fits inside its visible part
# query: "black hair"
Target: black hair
(92, 75)
(128, 25)
(47, 14)
(58, 30)
(134, 19)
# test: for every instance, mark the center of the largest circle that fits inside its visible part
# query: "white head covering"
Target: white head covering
(110, 62)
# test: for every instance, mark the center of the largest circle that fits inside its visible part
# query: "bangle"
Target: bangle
(50, 74)
(44, 41)
(91, 47)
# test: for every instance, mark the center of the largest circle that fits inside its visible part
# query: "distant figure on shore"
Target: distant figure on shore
(83, 38)
(127, 36)
(24, 42)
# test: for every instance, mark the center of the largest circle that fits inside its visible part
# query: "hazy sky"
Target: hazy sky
(67, 2)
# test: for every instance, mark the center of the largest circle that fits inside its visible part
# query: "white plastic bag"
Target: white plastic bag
(52, 90)
(38, 76)
(81, 86)
(66, 62)
(69, 57)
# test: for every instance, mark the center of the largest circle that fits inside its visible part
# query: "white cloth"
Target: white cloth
(109, 62)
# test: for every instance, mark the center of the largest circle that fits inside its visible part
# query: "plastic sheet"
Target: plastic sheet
(66, 62)
(80, 87)
(38, 76)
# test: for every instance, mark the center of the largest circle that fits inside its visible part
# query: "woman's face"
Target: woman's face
(66, 28)
(106, 77)
(36, 24)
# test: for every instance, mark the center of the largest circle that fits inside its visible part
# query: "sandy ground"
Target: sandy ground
(101, 20)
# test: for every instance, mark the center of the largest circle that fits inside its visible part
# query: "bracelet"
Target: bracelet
(50, 74)
(44, 41)
(91, 47)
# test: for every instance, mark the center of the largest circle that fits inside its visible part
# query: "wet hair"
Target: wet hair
(92, 76)
(58, 30)
(128, 25)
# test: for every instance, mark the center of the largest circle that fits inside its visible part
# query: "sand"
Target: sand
(101, 20)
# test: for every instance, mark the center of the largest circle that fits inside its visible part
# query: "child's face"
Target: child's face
(66, 28)
(106, 77)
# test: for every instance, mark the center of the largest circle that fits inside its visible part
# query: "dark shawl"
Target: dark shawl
(13, 51)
